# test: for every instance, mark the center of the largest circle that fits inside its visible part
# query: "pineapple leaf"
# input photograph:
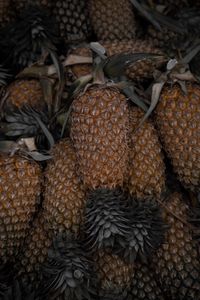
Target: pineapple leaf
(144, 11)
(156, 90)
(115, 65)
(45, 131)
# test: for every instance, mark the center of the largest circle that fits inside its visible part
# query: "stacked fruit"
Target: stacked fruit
(99, 150)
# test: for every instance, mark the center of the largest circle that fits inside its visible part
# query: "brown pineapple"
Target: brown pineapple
(146, 166)
(177, 119)
(176, 263)
(112, 20)
(20, 187)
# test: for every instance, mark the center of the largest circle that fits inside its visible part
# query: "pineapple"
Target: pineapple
(142, 69)
(176, 263)
(72, 18)
(20, 186)
(23, 92)
(112, 20)
(99, 132)
(35, 250)
(138, 71)
(19, 290)
(146, 166)
(113, 273)
(144, 285)
(64, 195)
(177, 120)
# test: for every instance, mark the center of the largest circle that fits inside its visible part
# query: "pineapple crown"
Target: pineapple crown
(106, 224)
(146, 230)
(29, 37)
(67, 272)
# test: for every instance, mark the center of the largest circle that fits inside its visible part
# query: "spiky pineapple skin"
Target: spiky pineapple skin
(178, 123)
(24, 92)
(176, 263)
(112, 20)
(113, 273)
(64, 196)
(144, 285)
(99, 133)
(146, 167)
(20, 187)
(35, 250)
(72, 18)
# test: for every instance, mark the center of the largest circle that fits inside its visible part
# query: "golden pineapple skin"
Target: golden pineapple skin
(113, 273)
(20, 187)
(99, 132)
(112, 19)
(24, 92)
(35, 250)
(146, 167)
(176, 263)
(72, 19)
(178, 121)
(64, 197)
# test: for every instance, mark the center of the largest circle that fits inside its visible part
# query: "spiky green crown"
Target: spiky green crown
(146, 230)
(24, 41)
(68, 272)
(106, 224)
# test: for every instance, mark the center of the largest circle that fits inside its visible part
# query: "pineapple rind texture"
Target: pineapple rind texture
(20, 187)
(35, 250)
(177, 117)
(99, 132)
(146, 165)
(114, 274)
(112, 20)
(25, 92)
(176, 263)
(64, 196)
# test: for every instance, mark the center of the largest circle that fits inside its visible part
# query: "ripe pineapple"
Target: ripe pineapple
(177, 119)
(113, 273)
(72, 18)
(138, 71)
(23, 92)
(146, 167)
(176, 263)
(112, 20)
(99, 132)
(35, 250)
(64, 196)
(20, 187)
(144, 285)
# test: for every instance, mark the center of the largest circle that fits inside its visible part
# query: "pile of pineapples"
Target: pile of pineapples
(99, 150)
